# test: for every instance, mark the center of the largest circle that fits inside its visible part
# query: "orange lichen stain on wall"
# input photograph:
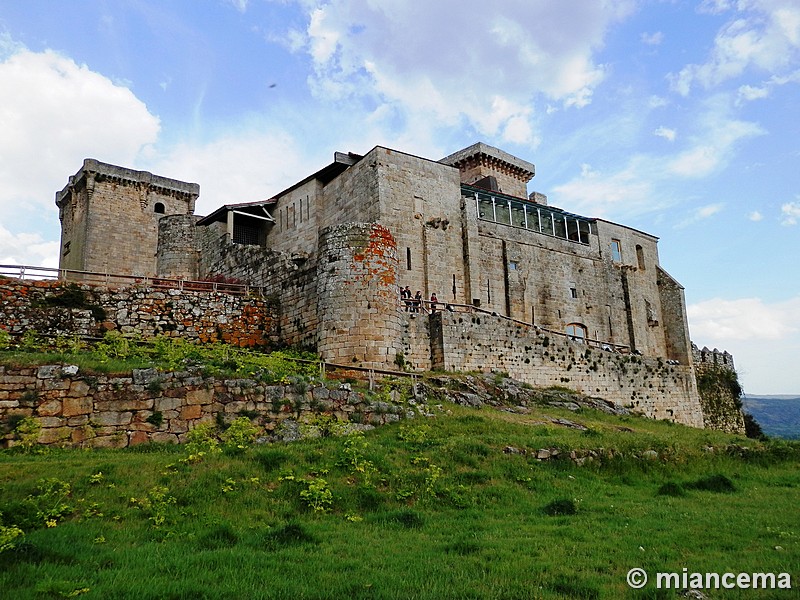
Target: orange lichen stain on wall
(377, 261)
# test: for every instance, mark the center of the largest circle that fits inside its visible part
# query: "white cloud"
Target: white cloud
(715, 142)
(232, 168)
(720, 321)
(436, 61)
(599, 194)
(701, 213)
(666, 133)
(749, 92)
(755, 216)
(240, 5)
(762, 337)
(762, 34)
(58, 114)
(791, 213)
(652, 39)
(27, 249)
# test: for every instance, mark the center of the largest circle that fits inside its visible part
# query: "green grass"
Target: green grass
(423, 509)
(116, 353)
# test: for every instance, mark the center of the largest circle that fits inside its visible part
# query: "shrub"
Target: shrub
(5, 339)
(671, 489)
(713, 483)
(239, 436)
(201, 442)
(10, 537)
(157, 418)
(562, 507)
(287, 535)
(27, 432)
(317, 495)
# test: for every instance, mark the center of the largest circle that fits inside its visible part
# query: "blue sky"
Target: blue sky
(680, 118)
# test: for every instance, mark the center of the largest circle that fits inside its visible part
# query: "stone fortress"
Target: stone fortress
(550, 297)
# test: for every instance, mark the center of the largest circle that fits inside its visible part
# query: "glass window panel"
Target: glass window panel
(501, 210)
(584, 230)
(616, 251)
(547, 222)
(517, 214)
(572, 230)
(560, 226)
(485, 208)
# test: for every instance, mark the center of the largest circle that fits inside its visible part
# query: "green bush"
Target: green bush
(562, 507)
(713, 483)
(239, 436)
(671, 489)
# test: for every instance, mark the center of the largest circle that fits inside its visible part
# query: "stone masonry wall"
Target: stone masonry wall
(720, 393)
(647, 385)
(357, 296)
(147, 406)
(53, 308)
(289, 282)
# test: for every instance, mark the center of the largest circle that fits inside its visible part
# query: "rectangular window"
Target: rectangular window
(408, 259)
(616, 251)
(512, 266)
(573, 291)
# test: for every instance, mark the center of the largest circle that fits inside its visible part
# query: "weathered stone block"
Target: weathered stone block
(161, 437)
(55, 435)
(76, 406)
(109, 441)
(112, 418)
(191, 412)
(138, 437)
(201, 396)
(49, 408)
(78, 389)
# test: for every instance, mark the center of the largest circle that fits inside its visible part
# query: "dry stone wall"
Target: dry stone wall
(145, 405)
(52, 308)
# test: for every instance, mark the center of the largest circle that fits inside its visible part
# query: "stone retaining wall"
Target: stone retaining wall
(147, 406)
(55, 308)
(484, 343)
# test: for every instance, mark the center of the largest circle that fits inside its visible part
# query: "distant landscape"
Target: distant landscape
(779, 416)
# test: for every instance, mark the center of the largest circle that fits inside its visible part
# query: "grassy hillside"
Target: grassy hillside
(453, 506)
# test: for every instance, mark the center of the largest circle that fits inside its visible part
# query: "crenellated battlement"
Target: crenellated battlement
(705, 359)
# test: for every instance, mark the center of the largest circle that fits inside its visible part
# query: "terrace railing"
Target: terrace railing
(112, 280)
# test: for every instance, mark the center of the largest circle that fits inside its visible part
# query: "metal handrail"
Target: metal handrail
(469, 308)
(27, 272)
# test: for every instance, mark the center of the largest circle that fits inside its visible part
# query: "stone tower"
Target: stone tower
(357, 295)
(109, 218)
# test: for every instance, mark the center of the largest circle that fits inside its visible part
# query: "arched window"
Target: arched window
(159, 208)
(576, 332)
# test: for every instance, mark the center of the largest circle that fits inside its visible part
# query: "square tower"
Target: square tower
(109, 218)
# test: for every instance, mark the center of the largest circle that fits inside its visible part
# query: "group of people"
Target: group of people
(414, 304)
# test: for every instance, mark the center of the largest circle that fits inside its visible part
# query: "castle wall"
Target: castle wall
(110, 217)
(720, 392)
(648, 385)
(177, 256)
(297, 220)
(357, 296)
(51, 308)
(420, 202)
(289, 285)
